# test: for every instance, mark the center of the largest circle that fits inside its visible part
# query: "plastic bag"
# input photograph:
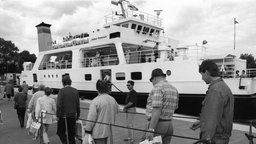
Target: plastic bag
(156, 140)
(79, 130)
(29, 121)
(87, 139)
(34, 127)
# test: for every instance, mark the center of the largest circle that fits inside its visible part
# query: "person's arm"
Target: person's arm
(92, 116)
(157, 101)
(31, 104)
(211, 114)
(38, 108)
(59, 104)
(78, 106)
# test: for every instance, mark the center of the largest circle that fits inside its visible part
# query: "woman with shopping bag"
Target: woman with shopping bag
(46, 108)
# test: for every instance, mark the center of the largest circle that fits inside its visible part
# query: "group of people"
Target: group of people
(215, 122)
(243, 74)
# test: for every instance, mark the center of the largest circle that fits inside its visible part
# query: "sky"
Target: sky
(188, 21)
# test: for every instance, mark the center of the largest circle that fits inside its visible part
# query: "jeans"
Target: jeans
(61, 130)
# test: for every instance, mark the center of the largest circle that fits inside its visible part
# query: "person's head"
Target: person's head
(48, 91)
(156, 75)
(102, 87)
(243, 71)
(130, 84)
(41, 87)
(208, 70)
(237, 71)
(24, 82)
(20, 89)
(66, 80)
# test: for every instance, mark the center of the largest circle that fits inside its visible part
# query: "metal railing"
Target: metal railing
(134, 14)
(104, 60)
(64, 64)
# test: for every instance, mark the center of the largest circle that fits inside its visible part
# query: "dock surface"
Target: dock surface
(11, 133)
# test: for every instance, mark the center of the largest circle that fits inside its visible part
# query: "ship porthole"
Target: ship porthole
(168, 72)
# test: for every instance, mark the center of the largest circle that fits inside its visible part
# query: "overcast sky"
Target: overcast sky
(189, 21)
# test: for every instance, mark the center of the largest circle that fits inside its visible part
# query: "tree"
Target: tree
(8, 56)
(249, 60)
(25, 56)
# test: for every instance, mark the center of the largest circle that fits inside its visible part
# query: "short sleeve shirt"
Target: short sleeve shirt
(165, 96)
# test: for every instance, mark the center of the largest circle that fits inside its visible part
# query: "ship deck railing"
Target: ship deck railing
(104, 60)
(64, 64)
(151, 19)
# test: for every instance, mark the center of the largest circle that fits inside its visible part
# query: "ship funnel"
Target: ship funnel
(44, 37)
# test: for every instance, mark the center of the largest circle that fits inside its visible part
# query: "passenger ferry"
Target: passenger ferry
(128, 47)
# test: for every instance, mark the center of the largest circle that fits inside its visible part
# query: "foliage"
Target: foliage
(249, 60)
(25, 56)
(8, 56)
(10, 60)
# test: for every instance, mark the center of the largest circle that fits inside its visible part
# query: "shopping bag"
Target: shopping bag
(1, 117)
(29, 121)
(79, 130)
(34, 127)
(156, 140)
(87, 139)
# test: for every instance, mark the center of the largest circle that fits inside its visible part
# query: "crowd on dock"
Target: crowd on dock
(215, 121)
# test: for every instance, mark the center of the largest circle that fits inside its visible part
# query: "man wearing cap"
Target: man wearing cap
(161, 104)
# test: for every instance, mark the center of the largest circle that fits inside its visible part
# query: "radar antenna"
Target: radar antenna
(158, 12)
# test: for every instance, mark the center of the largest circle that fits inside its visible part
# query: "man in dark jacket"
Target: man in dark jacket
(68, 111)
(216, 119)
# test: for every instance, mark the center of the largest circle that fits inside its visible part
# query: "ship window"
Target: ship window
(102, 55)
(139, 28)
(56, 76)
(44, 75)
(133, 26)
(120, 76)
(157, 33)
(88, 77)
(52, 76)
(151, 32)
(114, 35)
(145, 30)
(62, 60)
(125, 25)
(136, 75)
(49, 76)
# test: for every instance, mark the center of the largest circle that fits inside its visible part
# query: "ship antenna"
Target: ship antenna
(158, 12)
(121, 4)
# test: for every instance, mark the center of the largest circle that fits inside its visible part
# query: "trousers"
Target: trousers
(61, 129)
(21, 115)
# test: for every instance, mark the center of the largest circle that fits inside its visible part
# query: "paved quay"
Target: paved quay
(11, 133)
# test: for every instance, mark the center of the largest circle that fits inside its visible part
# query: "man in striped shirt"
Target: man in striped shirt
(161, 104)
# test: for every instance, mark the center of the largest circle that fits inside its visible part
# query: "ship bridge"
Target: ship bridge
(131, 17)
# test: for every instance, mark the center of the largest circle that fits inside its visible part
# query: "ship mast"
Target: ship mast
(121, 4)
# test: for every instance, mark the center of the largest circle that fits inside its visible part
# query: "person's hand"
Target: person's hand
(150, 135)
(125, 110)
(195, 125)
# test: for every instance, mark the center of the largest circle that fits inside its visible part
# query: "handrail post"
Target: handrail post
(111, 133)
(41, 128)
(250, 133)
